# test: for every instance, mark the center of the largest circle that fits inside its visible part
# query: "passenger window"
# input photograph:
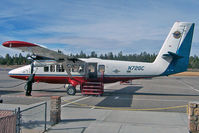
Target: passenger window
(52, 68)
(46, 69)
(59, 68)
(101, 68)
(62, 68)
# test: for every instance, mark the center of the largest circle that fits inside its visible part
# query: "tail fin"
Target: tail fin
(174, 54)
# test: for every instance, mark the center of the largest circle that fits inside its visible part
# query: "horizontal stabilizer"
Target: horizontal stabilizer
(173, 55)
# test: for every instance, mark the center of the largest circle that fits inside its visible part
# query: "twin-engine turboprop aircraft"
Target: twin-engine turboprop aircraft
(53, 67)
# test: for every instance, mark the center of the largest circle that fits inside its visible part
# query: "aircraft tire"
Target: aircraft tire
(71, 90)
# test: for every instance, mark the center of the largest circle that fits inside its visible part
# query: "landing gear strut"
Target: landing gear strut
(28, 88)
(71, 90)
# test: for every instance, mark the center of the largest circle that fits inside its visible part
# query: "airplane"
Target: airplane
(54, 67)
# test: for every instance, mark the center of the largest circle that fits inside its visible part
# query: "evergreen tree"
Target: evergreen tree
(142, 57)
(110, 55)
(93, 54)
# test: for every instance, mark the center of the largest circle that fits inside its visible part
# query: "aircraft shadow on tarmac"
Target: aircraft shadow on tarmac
(65, 129)
(31, 124)
(111, 97)
(161, 94)
(5, 92)
(73, 120)
(55, 91)
(51, 90)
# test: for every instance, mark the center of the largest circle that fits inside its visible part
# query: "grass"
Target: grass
(188, 73)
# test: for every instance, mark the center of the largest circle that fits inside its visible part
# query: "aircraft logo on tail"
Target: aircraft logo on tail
(177, 34)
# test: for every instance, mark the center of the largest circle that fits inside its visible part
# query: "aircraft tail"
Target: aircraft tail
(174, 54)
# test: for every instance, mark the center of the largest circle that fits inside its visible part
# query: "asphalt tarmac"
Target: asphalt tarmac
(165, 94)
(146, 105)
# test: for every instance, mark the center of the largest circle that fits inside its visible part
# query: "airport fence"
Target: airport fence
(8, 121)
(32, 119)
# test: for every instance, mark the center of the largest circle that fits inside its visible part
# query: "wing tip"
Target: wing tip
(18, 44)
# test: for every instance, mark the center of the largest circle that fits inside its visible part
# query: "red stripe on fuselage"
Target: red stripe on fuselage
(18, 44)
(64, 80)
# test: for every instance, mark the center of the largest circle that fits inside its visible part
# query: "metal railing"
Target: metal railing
(32, 118)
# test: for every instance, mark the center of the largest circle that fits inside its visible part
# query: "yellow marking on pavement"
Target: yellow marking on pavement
(128, 109)
(72, 102)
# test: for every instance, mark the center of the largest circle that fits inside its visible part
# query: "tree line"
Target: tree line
(14, 60)
(142, 57)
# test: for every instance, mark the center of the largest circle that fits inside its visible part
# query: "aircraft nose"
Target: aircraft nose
(11, 72)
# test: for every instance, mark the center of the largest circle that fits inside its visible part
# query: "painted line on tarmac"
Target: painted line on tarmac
(93, 107)
(156, 100)
(127, 109)
(74, 101)
(190, 86)
(164, 100)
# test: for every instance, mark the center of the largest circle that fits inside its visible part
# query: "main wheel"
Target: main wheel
(71, 90)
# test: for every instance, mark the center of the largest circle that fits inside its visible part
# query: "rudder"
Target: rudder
(174, 54)
(180, 64)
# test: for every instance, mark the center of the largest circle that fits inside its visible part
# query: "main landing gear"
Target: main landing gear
(71, 90)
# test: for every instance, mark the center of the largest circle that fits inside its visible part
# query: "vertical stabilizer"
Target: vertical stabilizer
(174, 54)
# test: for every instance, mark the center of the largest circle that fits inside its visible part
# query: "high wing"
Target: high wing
(41, 51)
(35, 49)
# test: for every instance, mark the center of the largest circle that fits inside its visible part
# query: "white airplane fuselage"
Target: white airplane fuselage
(113, 71)
(172, 58)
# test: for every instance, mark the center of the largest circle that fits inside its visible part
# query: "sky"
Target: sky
(130, 26)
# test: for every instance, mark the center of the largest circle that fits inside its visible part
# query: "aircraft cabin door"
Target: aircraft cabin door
(92, 70)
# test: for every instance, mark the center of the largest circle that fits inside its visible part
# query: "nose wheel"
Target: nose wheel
(71, 90)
